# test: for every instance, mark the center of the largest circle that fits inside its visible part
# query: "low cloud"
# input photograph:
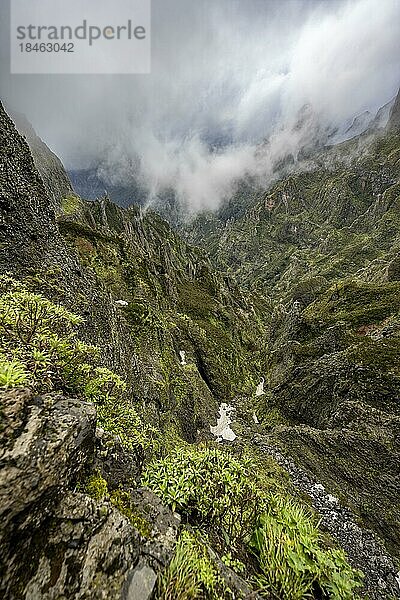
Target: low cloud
(226, 76)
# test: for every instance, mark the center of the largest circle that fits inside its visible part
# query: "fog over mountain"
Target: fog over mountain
(199, 306)
(225, 76)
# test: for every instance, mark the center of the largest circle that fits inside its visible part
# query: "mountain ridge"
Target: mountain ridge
(310, 365)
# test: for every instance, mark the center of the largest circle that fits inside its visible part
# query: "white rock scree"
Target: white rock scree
(222, 430)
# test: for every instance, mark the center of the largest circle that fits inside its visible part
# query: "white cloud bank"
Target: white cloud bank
(226, 75)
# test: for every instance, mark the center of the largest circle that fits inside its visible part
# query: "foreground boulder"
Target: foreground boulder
(56, 542)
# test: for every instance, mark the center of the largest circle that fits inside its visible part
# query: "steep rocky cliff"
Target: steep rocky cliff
(120, 341)
(50, 168)
(182, 337)
(322, 247)
(394, 119)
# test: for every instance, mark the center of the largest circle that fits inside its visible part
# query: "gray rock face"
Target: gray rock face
(56, 542)
(159, 547)
(27, 222)
(142, 583)
(394, 119)
(51, 169)
(88, 552)
(47, 440)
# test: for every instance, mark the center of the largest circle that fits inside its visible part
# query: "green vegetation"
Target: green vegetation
(96, 487)
(40, 348)
(190, 574)
(356, 303)
(12, 373)
(123, 420)
(174, 297)
(292, 561)
(71, 204)
(38, 336)
(123, 502)
(225, 498)
(236, 565)
(209, 487)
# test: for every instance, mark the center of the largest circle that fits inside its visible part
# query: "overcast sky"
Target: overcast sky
(226, 71)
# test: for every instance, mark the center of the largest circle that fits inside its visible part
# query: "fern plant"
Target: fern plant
(12, 373)
(39, 336)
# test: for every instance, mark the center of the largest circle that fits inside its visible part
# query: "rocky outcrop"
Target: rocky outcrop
(394, 119)
(47, 443)
(54, 540)
(88, 550)
(50, 168)
(33, 247)
(27, 222)
(45, 440)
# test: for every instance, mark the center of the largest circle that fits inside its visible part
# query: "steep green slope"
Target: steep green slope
(127, 340)
(329, 221)
(322, 247)
(174, 303)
